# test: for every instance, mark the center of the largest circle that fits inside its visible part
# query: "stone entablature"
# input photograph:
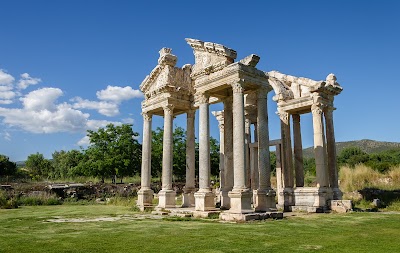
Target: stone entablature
(245, 174)
(166, 85)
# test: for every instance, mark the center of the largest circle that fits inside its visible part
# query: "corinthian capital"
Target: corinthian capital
(147, 116)
(168, 109)
(203, 98)
(284, 116)
(237, 88)
(317, 109)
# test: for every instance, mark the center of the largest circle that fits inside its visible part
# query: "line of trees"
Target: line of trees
(114, 152)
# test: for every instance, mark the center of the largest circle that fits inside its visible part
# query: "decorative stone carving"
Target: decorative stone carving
(168, 109)
(250, 60)
(147, 116)
(237, 88)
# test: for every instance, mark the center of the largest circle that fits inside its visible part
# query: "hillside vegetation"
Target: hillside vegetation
(368, 146)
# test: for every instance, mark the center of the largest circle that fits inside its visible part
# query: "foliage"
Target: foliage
(7, 168)
(38, 166)
(380, 161)
(64, 162)
(113, 150)
(179, 153)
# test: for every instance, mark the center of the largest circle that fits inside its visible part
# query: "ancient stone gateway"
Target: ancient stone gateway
(245, 174)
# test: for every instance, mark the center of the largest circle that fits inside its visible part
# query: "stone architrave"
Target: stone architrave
(204, 197)
(189, 189)
(240, 195)
(167, 195)
(145, 194)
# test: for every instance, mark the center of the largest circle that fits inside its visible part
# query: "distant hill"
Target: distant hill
(368, 146)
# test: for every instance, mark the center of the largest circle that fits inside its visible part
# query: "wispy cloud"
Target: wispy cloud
(105, 108)
(118, 94)
(26, 80)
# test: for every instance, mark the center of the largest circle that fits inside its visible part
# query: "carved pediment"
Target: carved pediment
(210, 57)
(165, 77)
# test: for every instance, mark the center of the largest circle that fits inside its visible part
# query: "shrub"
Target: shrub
(394, 175)
(39, 199)
(358, 178)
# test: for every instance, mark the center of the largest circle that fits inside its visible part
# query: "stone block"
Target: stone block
(240, 201)
(145, 198)
(341, 206)
(166, 198)
(204, 201)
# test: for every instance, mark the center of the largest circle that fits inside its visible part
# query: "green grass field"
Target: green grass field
(28, 229)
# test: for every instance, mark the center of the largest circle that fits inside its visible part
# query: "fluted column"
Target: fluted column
(204, 198)
(228, 154)
(145, 194)
(331, 150)
(167, 195)
(287, 150)
(319, 146)
(247, 148)
(298, 151)
(286, 158)
(240, 194)
(188, 191)
(265, 196)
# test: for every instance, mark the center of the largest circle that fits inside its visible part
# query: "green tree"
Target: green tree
(38, 166)
(113, 150)
(352, 156)
(7, 168)
(65, 161)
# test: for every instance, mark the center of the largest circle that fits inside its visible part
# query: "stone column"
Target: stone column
(167, 194)
(189, 189)
(228, 155)
(286, 150)
(220, 118)
(145, 194)
(279, 180)
(240, 194)
(247, 158)
(287, 164)
(319, 146)
(331, 150)
(298, 151)
(204, 198)
(265, 196)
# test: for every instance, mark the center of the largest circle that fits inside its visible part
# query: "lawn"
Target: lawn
(117, 229)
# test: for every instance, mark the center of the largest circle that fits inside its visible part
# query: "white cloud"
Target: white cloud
(5, 78)
(6, 135)
(41, 99)
(127, 121)
(85, 141)
(118, 94)
(105, 108)
(26, 80)
(96, 124)
(5, 102)
(7, 95)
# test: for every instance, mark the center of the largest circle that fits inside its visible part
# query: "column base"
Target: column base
(166, 198)
(225, 200)
(337, 194)
(188, 197)
(204, 201)
(313, 196)
(264, 200)
(288, 198)
(145, 199)
(240, 201)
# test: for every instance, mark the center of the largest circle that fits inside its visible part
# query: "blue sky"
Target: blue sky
(68, 66)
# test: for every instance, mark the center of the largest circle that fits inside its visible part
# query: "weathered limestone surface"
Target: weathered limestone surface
(245, 176)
